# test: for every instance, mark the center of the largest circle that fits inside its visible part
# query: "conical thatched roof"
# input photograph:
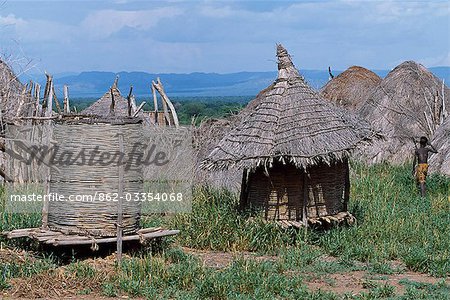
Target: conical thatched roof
(289, 121)
(102, 106)
(10, 91)
(440, 162)
(351, 88)
(407, 104)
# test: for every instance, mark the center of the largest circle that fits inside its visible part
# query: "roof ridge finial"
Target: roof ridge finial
(116, 81)
(286, 68)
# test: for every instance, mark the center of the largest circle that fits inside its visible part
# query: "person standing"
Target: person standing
(421, 158)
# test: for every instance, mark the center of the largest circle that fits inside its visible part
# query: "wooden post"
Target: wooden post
(47, 90)
(133, 103)
(129, 100)
(49, 101)
(244, 191)
(155, 104)
(58, 107)
(66, 100)
(159, 87)
(165, 110)
(37, 95)
(22, 98)
(305, 198)
(139, 109)
(113, 103)
(119, 203)
(46, 203)
(347, 186)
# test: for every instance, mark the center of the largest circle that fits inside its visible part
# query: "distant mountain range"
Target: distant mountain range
(95, 84)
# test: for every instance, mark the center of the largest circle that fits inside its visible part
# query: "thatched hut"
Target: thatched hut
(351, 88)
(440, 162)
(409, 102)
(294, 148)
(111, 103)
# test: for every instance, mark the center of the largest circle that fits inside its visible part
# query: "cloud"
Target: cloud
(104, 23)
(12, 20)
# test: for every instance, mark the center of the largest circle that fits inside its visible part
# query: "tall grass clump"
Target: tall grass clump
(216, 223)
(18, 217)
(394, 222)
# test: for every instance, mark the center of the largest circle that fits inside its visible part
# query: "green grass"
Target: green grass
(394, 223)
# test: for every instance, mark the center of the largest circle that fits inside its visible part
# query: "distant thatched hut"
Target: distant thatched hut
(440, 162)
(111, 103)
(351, 88)
(408, 103)
(294, 147)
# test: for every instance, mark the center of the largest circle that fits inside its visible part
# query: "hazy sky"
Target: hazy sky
(212, 36)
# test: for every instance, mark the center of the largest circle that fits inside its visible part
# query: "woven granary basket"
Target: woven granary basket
(94, 217)
(281, 194)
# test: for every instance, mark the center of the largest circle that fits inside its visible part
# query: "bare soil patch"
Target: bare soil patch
(356, 282)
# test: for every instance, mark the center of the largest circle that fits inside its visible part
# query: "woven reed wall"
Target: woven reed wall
(97, 218)
(281, 194)
(31, 134)
(326, 189)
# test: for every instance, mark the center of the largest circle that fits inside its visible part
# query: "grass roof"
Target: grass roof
(289, 122)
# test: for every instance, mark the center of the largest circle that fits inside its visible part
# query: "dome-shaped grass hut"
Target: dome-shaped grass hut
(409, 102)
(351, 88)
(294, 148)
(440, 162)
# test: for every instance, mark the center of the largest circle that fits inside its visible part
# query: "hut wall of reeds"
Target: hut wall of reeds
(286, 190)
(440, 162)
(294, 147)
(98, 182)
(409, 102)
(351, 88)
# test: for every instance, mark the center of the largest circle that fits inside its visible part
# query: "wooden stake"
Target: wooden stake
(113, 103)
(66, 100)
(133, 103)
(159, 87)
(129, 100)
(119, 204)
(49, 108)
(244, 190)
(305, 199)
(46, 204)
(58, 107)
(155, 104)
(37, 95)
(139, 109)
(347, 185)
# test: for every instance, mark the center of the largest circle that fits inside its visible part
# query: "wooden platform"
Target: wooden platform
(321, 222)
(56, 238)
